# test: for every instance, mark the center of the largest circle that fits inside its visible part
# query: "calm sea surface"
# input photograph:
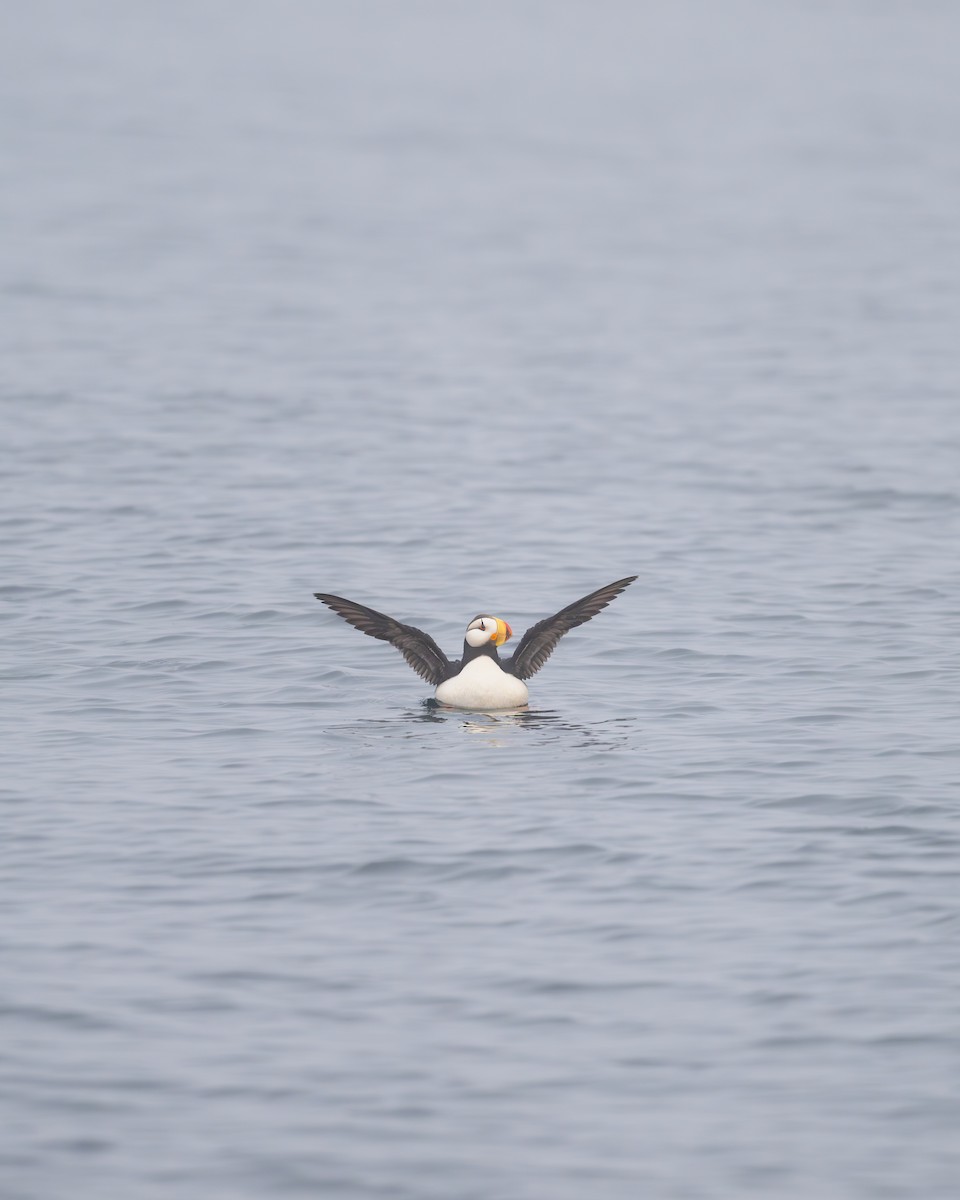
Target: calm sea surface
(453, 309)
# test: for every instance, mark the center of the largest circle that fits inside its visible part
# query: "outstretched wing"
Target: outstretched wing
(417, 647)
(538, 643)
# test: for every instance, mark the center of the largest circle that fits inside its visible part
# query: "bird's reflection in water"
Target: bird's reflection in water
(499, 727)
(491, 727)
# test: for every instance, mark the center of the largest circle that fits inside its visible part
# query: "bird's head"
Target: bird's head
(487, 629)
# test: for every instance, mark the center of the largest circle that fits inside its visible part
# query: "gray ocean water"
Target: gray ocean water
(456, 309)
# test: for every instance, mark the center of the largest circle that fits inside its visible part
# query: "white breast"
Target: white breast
(482, 684)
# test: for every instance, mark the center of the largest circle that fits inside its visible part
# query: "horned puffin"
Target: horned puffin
(480, 679)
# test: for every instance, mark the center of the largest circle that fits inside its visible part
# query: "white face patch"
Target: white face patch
(480, 631)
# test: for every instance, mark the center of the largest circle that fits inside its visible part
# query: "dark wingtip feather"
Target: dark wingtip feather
(539, 642)
(418, 648)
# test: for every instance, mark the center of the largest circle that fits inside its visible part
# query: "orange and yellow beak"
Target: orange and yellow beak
(504, 632)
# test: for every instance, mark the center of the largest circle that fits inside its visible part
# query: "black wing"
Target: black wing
(538, 643)
(417, 647)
